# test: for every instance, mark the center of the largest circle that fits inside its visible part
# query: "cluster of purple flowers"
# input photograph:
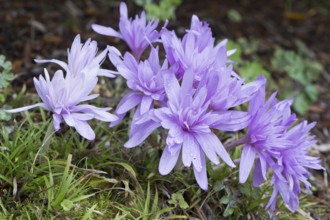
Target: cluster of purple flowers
(192, 94)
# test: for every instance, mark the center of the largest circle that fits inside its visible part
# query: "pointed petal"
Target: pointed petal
(82, 116)
(84, 130)
(69, 119)
(172, 87)
(146, 103)
(129, 101)
(116, 122)
(164, 116)
(201, 176)
(123, 10)
(259, 98)
(247, 160)
(99, 113)
(142, 131)
(235, 121)
(187, 82)
(211, 140)
(108, 31)
(257, 174)
(272, 201)
(190, 152)
(57, 121)
(168, 160)
(208, 150)
(107, 73)
(21, 109)
(58, 62)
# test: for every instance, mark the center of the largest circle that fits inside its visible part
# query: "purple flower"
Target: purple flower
(63, 95)
(266, 133)
(189, 121)
(292, 166)
(137, 33)
(81, 57)
(226, 92)
(195, 51)
(144, 78)
(279, 147)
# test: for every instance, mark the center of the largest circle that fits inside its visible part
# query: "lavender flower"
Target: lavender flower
(278, 147)
(189, 123)
(137, 33)
(266, 132)
(144, 78)
(63, 95)
(226, 92)
(81, 57)
(292, 165)
(196, 50)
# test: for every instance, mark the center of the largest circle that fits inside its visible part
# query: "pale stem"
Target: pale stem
(236, 143)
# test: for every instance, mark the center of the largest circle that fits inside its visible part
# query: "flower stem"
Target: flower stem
(236, 143)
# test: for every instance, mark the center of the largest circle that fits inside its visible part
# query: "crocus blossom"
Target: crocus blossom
(63, 96)
(188, 120)
(279, 147)
(226, 92)
(195, 50)
(266, 132)
(291, 167)
(81, 57)
(137, 33)
(144, 78)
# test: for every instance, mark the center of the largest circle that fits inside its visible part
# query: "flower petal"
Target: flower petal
(235, 121)
(57, 121)
(172, 87)
(129, 101)
(99, 113)
(84, 130)
(168, 160)
(190, 152)
(257, 174)
(58, 62)
(247, 159)
(146, 103)
(69, 119)
(208, 150)
(116, 122)
(201, 176)
(142, 131)
(108, 31)
(21, 109)
(211, 140)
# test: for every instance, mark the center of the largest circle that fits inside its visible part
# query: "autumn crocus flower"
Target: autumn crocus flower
(189, 121)
(143, 78)
(291, 166)
(81, 57)
(196, 50)
(63, 96)
(266, 133)
(279, 147)
(137, 33)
